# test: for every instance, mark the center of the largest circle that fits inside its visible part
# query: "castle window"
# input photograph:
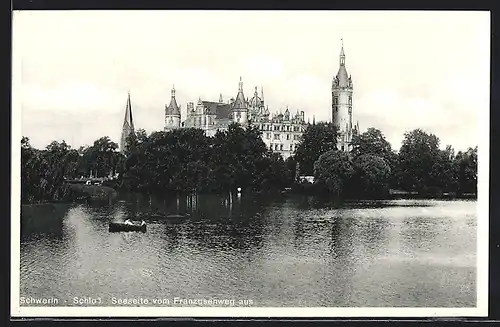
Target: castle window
(291, 147)
(268, 136)
(335, 100)
(276, 136)
(276, 146)
(281, 147)
(238, 115)
(276, 127)
(287, 136)
(342, 147)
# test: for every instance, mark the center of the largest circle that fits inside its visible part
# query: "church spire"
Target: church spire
(342, 54)
(128, 124)
(128, 121)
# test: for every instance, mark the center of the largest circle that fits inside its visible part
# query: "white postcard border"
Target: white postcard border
(18, 311)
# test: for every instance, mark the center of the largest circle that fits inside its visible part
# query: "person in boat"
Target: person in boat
(128, 222)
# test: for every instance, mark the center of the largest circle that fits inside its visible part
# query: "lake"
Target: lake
(260, 251)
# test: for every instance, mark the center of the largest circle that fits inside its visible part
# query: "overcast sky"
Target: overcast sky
(72, 69)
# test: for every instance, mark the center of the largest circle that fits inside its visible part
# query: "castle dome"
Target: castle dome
(255, 101)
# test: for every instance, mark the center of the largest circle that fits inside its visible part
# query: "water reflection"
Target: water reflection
(277, 251)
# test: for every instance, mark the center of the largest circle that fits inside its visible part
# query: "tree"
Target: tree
(43, 172)
(237, 152)
(272, 173)
(466, 171)
(417, 157)
(332, 171)
(101, 158)
(372, 175)
(373, 142)
(443, 176)
(316, 140)
(291, 167)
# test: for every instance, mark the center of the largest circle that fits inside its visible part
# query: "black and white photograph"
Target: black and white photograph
(190, 163)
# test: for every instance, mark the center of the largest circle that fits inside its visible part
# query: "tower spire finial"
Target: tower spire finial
(342, 55)
(173, 91)
(241, 85)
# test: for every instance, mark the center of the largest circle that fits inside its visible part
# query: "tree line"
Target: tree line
(185, 161)
(372, 167)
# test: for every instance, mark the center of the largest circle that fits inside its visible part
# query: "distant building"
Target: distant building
(342, 89)
(280, 132)
(208, 115)
(128, 125)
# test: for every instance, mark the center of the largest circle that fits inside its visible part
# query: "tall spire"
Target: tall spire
(342, 54)
(128, 123)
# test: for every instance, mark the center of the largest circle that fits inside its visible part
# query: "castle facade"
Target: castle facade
(281, 132)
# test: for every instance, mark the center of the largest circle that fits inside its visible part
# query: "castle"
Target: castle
(281, 132)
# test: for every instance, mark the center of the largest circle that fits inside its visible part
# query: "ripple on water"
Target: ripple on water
(398, 253)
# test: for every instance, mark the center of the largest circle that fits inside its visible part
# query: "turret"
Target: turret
(239, 107)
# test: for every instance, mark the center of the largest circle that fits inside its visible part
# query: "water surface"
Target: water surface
(275, 252)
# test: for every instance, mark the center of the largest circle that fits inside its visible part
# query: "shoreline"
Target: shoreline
(93, 193)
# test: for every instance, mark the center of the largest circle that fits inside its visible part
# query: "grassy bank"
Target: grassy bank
(69, 192)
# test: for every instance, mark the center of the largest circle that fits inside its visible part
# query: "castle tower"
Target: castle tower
(172, 113)
(239, 108)
(128, 125)
(342, 89)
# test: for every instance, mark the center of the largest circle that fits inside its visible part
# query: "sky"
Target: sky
(72, 69)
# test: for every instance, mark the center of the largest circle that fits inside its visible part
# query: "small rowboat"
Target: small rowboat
(127, 227)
